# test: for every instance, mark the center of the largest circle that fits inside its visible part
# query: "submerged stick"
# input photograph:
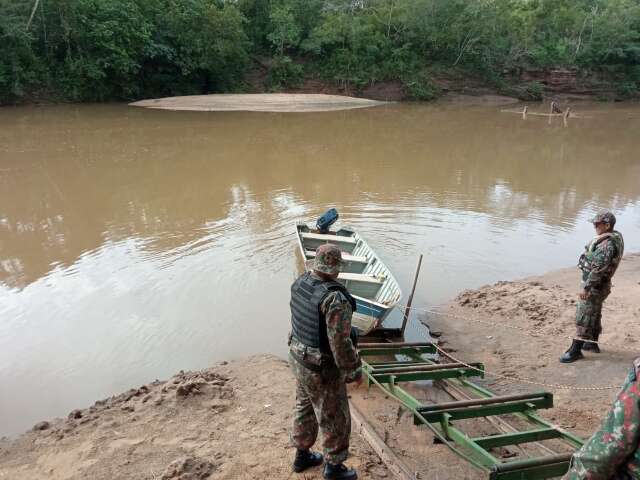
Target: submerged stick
(566, 116)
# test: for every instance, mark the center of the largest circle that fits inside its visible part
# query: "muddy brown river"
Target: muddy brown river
(135, 243)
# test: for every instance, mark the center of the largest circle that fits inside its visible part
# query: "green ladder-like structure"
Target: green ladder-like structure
(441, 417)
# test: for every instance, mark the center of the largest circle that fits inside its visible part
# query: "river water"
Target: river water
(134, 243)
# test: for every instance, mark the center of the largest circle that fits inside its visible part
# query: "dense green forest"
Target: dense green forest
(98, 50)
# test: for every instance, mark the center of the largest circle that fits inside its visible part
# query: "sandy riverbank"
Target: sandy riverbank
(295, 102)
(230, 421)
(259, 102)
(542, 310)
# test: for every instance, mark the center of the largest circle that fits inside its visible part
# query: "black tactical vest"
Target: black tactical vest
(308, 325)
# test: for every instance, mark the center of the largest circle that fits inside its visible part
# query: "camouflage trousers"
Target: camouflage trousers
(589, 313)
(321, 402)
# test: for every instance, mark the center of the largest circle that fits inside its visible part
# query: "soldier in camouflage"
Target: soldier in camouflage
(598, 263)
(323, 359)
(612, 452)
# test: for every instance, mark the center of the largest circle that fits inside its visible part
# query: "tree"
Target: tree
(284, 31)
(20, 69)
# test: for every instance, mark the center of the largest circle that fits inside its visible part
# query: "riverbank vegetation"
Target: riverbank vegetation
(99, 50)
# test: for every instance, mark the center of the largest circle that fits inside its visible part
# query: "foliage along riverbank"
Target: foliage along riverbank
(99, 50)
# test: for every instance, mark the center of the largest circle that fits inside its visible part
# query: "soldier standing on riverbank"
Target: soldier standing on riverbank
(598, 263)
(612, 452)
(323, 359)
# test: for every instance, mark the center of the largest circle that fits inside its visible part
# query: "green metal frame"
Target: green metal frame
(435, 413)
(440, 418)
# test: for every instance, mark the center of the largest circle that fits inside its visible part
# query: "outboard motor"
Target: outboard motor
(326, 220)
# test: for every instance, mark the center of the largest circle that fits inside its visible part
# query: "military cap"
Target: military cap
(604, 216)
(328, 259)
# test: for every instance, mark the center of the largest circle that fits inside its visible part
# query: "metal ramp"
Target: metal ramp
(441, 418)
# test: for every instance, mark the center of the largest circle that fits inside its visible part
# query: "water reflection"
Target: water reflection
(113, 172)
(134, 243)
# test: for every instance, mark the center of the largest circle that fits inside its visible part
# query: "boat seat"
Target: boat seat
(329, 238)
(345, 256)
(360, 277)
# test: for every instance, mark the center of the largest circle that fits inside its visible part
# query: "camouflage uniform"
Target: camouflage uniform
(598, 264)
(321, 394)
(612, 452)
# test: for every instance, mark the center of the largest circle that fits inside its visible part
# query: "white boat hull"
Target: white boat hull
(366, 277)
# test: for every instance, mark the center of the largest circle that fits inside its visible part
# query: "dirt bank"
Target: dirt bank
(227, 422)
(520, 328)
(230, 421)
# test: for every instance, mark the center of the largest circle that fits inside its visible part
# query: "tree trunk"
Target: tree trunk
(33, 12)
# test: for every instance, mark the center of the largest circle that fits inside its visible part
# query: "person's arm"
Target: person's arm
(337, 313)
(601, 264)
(608, 449)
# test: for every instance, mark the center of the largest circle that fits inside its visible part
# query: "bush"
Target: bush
(99, 49)
(195, 47)
(284, 73)
(20, 68)
(627, 90)
(96, 50)
(421, 87)
(121, 49)
(532, 91)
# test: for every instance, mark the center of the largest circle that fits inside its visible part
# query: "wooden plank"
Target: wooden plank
(365, 351)
(397, 344)
(329, 238)
(500, 423)
(516, 438)
(538, 114)
(397, 467)
(432, 375)
(395, 363)
(360, 277)
(534, 468)
(486, 410)
(424, 367)
(487, 401)
(552, 470)
(345, 256)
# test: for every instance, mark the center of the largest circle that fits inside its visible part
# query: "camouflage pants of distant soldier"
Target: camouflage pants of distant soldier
(321, 401)
(589, 313)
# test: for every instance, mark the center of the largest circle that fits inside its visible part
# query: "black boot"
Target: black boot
(574, 353)
(338, 472)
(306, 459)
(592, 347)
